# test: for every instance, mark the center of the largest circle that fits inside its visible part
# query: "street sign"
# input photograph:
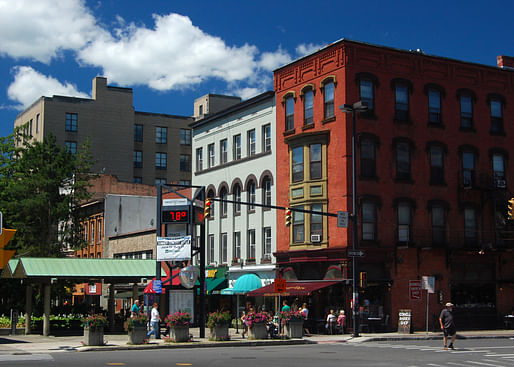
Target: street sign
(415, 289)
(428, 283)
(174, 202)
(342, 219)
(157, 285)
(280, 285)
(356, 253)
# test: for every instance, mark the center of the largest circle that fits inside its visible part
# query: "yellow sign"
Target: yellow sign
(5, 255)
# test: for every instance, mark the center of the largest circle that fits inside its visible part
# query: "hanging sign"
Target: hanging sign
(174, 248)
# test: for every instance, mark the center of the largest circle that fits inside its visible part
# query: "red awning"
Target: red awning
(175, 280)
(294, 288)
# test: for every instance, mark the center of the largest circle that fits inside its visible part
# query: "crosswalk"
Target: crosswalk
(7, 359)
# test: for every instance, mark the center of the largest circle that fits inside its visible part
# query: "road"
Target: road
(483, 352)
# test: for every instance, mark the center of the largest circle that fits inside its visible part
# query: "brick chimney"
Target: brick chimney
(505, 61)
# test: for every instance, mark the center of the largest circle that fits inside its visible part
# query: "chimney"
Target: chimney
(505, 61)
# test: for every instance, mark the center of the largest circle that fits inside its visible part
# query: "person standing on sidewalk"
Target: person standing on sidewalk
(305, 312)
(448, 326)
(154, 321)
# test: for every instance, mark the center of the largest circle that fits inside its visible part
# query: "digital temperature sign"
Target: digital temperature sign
(178, 214)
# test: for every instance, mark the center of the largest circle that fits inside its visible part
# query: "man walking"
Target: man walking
(448, 326)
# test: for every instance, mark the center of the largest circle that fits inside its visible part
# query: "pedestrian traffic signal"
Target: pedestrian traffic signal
(5, 255)
(510, 213)
(289, 218)
(207, 208)
(363, 279)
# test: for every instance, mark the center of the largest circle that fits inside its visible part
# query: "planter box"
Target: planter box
(219, 333)
(93, 336)
(179, 334)
(294, 329)
(258, 331)
(137, 335)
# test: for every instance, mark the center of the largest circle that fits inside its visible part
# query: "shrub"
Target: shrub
(95, 321)
(292, 316)
(218, 319)
(178, 319)
(140, 320)
(256, 318)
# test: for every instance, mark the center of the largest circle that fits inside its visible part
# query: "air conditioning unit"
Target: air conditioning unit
(500, 184)
(315, 238)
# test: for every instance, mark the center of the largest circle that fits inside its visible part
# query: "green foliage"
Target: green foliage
(140, 320)
(41, 188)
(95, 321)
(218, 318)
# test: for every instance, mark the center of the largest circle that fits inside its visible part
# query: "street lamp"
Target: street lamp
(353, 108)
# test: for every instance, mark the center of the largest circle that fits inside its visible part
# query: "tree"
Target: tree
(42, 186)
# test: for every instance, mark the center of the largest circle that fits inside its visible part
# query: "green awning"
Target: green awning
(214, 285)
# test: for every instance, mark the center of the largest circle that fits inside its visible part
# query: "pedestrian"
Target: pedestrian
(331, 322)
(341, 321)
(448, 326)
(155, 318)
(285, 306)
(134, 311)
(305, 312)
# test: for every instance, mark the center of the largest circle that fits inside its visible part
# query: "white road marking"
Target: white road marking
(25, 357)
(485, 364)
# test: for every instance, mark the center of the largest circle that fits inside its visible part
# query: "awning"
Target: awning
(213, 285)
(244, 284)
(294, 288)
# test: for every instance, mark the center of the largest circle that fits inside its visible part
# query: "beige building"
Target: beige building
(135, 146)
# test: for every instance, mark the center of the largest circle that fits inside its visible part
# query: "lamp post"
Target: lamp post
(353, 108)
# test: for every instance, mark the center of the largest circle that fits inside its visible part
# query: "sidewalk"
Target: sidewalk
(35, 344)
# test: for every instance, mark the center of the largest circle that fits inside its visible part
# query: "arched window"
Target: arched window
(237, 199)
(251, 195)
(266, 191)
(224, 204)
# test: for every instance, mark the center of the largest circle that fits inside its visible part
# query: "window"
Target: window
(496, 116)
(317, 220)
(289, 113)
(367, 93)
(200, 110)
(30, 127)
(138, 133)
(161, 135)
(184, 182)
(71, 122)
(160, 181)
(251, 244)
(368, 160)
(401, 108)
(266, 138)
(71, 146)
(185, 137)
(210, 249)
(237, 245)
(223, 151)
(438, 225)
(470, 226)
(404, 222)
(137, 179)
(434, 106)
(298, 225)
(266, 242)
(498, 167)
(161, 160)
(212, 157)
(436, 165)
(328, 100)
(99, 237)
(224, 204)
(266, 191)
(199, 159)
(369, 221)
(308, 98)
(236, 148)
(185, 163)
(92, 239)
(315, 161)
(224, 248)
(297, 164)
(237, 199)
(251, 142)
(403, 170)
(138, 158)
(468, 169)
(466, 112)
(37, 122)
(251, 195)
(86, 232)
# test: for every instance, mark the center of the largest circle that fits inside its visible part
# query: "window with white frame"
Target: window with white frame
(308, 111)
(237, 199)
(266, 191)
(328, 100)
(199, 159)
(298, 225)
(289, 111)
(224, 248)
(236, 147)
(251, 244)
(266, 138)
(223, 204)
(223, 151)
(297, 164)
(236, 251)
(212, 157)
(210, 249)
(317, 220)
(266, 245)
(251, 195)
(251, 142)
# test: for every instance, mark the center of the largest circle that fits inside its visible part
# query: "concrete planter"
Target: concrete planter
(179, 333)
(137, 335)
(258, 331)
(219, 333)
(93, 336)
(294, 329)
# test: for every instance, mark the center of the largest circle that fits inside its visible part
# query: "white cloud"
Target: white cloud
(305, 49)
(172, 55)
(29, 85)
(272, 60)
(40, 29)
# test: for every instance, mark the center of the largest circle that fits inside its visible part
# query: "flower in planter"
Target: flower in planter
(178, 319)
(287, 316)
(218, 319)
(140, 320)
(252, 318)
(95, 321)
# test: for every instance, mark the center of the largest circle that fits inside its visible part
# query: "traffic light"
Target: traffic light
(5, 255)
(363, 279)
(510, 213)
(289, 218)
(207, 208)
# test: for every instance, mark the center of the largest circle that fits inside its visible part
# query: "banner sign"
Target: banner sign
(415, 289)
(173, 248)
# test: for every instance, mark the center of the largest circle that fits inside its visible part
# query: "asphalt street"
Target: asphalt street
(406, 353)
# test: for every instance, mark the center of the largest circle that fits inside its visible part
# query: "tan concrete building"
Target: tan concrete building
(135, 146)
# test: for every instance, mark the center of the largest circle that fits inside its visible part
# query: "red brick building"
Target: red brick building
(433, 178)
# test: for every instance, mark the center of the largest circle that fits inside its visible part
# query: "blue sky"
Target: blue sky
(171, 52)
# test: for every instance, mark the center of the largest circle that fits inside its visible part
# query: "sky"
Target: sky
(173, 51)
